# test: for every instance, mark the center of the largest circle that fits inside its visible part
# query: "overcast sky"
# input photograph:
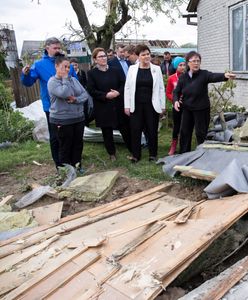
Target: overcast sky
(37, 22)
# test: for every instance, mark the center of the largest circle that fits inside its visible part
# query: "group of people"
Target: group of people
(128, 94)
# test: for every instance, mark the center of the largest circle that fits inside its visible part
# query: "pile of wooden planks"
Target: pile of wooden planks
(131, 248)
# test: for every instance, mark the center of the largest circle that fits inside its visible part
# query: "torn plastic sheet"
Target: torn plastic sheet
(234, 178)
(35, 113)
(231, 165)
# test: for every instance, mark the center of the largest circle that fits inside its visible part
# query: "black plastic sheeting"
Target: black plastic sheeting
(231, 165)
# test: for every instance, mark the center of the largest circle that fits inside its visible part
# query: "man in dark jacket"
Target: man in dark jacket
(119, 62)
(167, 66)
(43, 69)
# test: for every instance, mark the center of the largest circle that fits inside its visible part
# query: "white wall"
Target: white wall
(214, 41)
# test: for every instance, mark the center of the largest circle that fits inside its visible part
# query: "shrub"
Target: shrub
(13, 126)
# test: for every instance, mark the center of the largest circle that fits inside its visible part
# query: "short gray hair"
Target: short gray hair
(52, 40)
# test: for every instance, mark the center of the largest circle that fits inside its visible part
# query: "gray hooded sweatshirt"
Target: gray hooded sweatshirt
(62, 112)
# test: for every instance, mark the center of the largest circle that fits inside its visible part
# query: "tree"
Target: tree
(189, 45)
(118, 14)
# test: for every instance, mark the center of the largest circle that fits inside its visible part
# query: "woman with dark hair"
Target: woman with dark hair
(67, 112)
(191, 93)
(144, 100)
(106, 88)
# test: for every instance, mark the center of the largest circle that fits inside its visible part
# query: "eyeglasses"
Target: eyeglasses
(101, 56)
(195, 61)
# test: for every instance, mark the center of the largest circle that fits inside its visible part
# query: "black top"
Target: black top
(194, 90)
(144, 84)
(108, 112)
(82, 78)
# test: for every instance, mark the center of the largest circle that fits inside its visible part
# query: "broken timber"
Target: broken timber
(192, 172)
(139, 232)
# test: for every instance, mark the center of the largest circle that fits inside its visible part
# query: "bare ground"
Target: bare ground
(18, 183)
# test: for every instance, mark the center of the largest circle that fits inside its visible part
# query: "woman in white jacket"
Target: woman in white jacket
(144, 100)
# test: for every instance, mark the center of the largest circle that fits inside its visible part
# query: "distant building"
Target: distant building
(33, 50)
(158, 47)
(149, 43)
(8, 45)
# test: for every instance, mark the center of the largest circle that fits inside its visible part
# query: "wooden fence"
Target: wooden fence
(23, 95)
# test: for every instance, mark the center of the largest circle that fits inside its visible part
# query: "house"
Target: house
(222, 39)
(33, 50)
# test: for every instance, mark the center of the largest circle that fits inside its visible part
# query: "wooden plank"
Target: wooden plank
(14, 259)
(51, 284)
(93, 211)
(148, 222)
(186, 213)
(74, 224)
(190, 171)
(44, 273)
(175, 245)
(131, 246)
(229, 280)
(48, 214)
(6, 200)
(232, 147)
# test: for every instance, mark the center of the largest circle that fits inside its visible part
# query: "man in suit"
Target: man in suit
(119, 62)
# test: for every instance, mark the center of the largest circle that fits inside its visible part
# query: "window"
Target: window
(239, 37)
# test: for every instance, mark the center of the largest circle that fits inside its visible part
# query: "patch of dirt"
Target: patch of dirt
(19, 183)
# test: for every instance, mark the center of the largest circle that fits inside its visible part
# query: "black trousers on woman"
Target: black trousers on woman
(53, 139)
(200, 120)
(177, 116)
(70, 143)
(146, 117)
(108, 138)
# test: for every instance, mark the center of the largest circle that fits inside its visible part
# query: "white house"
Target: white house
(223, 39)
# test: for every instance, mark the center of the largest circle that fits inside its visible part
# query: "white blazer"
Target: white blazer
(158, 91)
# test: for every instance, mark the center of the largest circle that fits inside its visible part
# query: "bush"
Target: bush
(13, 126)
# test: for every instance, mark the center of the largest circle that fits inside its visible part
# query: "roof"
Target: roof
(173, 51)
(192, 6)
(149, 43)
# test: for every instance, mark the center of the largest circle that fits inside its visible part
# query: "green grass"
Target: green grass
(95, 157)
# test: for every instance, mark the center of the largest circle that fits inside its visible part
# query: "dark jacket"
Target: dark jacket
(115, 63)
(170, 70)
(43, 69)
(195, 89)
(108, 112)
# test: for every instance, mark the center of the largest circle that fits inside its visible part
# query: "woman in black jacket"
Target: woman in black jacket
(191, 93)
(106, 88)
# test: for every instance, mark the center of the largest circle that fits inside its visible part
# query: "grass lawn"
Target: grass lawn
(93, 154)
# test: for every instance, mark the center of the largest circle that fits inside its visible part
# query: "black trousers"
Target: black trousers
(108, 138)
(198, 119)
(177, 117)
(146, 117)
(53, 139)
(70, 143)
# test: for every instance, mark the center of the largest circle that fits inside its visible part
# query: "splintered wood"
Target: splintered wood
(131, 248)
